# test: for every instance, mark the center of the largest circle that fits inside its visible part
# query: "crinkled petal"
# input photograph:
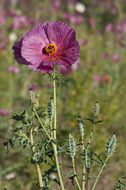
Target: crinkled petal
(65, 71)
(33, 44)
(17, 52)
(64, 37)
(59, 33)
(70, 56)
(42, 67)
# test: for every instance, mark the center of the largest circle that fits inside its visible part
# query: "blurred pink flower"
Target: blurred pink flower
(108, 5)
(104, 55)
(20, 21)
(115, 57)
(83, 42)
(65, 71)
(48, 85)
(92, 23)
(76, 19)
(23, 1)
(13, 13)
(9, 13)
(121, 26)
(33, 87)
(109, 27)
(97, 77)
(124, 28)
(4, 112)
(114, 11)
(66, 16)
(2, 19)
(56, 5)
(6, 13)
(14, 69)
(76, 65)
(4, 42)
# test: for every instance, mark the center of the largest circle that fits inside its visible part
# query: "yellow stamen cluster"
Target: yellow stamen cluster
(51, 49)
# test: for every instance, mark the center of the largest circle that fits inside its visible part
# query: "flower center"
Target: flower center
(51, 49)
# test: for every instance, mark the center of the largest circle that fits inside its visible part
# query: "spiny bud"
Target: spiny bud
(72, 146)
(34, 99)
(111, 145)
(96, 109)
(88, 158)
(81, 126)
(51, 109)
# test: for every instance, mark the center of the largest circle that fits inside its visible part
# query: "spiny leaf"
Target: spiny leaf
(99, 121)
(91, 120)
(18, 116)
(120, 185)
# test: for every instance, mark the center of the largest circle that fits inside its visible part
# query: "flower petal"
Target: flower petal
(42, 67)
(17, 52)
(32, 45)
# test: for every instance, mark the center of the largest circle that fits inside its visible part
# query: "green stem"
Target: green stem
(36, 165)
(93, 187)
(41, 123)
(86, 184)
(54, 133)
(91, 136)
(84, 169)
(86, 176)
(51, 128)
(74, 170)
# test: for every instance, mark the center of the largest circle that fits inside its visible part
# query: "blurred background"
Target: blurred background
(100, 75)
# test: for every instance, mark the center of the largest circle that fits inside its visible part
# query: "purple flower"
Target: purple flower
(76, 65)
(2, 19)
(65, 71)
(66, 16)
(83, 42)
(114, 10)
(97, 78)
(4, 112)
(56, 5)
(48, 85)
(14, 70)
(76, 19)
(109, 27)
(4, 42)
(47, 45)
(104, 55)
(33, 87)
(115, 57)
(92, 23)
(23, 1)
(20, 21)
(108, 5)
